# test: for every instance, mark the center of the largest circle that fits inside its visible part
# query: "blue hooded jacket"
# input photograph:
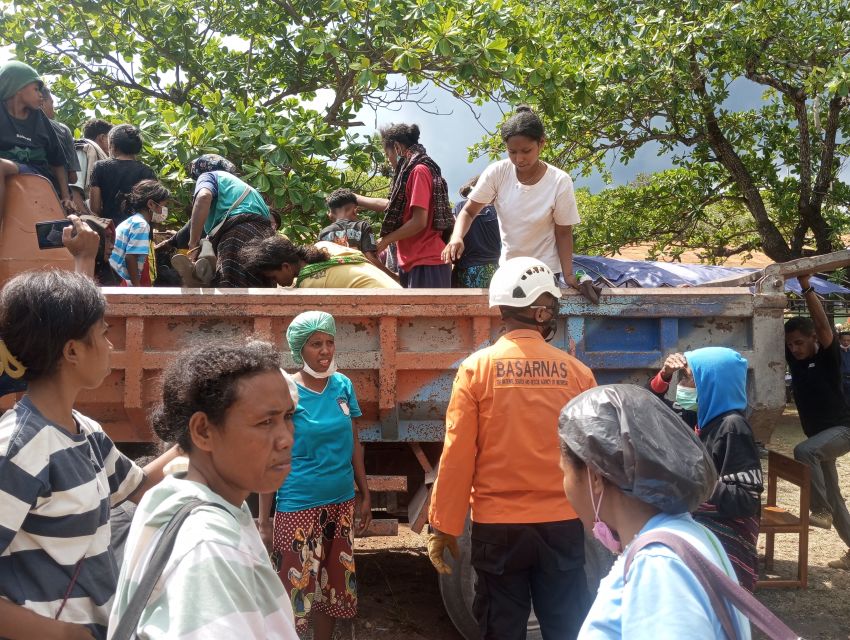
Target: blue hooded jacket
(720, 375)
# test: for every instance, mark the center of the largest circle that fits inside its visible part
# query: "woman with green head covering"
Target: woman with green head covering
(314, 523)
(28, 142)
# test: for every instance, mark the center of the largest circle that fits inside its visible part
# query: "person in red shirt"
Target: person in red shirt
(416, 186)
(501, 458)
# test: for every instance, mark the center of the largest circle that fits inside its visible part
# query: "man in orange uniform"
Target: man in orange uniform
(501, 448)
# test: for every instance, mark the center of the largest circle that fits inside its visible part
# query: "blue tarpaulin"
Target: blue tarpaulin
(646, 273)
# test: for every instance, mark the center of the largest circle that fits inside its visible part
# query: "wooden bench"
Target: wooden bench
(775, 519)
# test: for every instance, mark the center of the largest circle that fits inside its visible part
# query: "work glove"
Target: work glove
(437, 543)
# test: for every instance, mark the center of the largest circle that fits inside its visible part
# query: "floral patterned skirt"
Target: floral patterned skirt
(312, 552)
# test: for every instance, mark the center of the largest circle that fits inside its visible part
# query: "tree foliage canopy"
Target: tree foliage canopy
(609, 76)
(659, 72)
(234, 77)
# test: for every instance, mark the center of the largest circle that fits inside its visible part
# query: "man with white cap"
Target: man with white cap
(501, 450)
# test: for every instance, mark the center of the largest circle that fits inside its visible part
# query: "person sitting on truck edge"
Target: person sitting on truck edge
(316, 515)
(482, 245)
(417, 211)
(115, 177)
(230, 408)
(501, 456)
(133, 257)
(63, 134)
(28, 142)
(632, 467)
(323, 265)
(59, 471)
(814, 359)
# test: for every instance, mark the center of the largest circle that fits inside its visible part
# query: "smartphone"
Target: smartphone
(49, 234)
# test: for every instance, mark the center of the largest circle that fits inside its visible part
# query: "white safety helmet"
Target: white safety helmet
(520, 281)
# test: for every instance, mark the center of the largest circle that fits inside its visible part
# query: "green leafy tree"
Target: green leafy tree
(234, 78)
(614, 76)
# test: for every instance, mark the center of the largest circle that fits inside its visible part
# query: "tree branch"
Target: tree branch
(774, 244)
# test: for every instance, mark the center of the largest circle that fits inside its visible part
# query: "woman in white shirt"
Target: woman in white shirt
(535, 201)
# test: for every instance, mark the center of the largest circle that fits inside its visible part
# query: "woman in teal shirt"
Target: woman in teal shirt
(231, 213)
(314, 522)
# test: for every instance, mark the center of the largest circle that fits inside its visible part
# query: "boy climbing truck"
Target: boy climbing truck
(403, 348)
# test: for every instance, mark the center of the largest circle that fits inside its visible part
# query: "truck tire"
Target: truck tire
(457, 589)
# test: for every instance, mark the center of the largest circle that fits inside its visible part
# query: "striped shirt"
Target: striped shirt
(132, 242)
(218, 581)
(56, 490)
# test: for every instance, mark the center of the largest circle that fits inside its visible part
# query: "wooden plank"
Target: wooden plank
(735, 281)
(381, 527)
(421, 457)
(383, 484)
(809, 265)
(417, 508)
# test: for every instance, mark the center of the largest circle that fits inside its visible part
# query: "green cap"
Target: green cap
(14, 76)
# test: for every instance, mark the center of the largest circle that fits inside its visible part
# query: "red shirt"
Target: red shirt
(426, 247)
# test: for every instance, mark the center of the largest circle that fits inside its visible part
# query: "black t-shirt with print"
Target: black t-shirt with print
(816, 383)
(116, 178)
(356, 234)
(31, 141)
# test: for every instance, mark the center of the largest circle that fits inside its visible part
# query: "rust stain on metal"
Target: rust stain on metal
(403, 347)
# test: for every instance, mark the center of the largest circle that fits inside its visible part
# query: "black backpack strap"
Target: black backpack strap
(126, 627)
(721, 589)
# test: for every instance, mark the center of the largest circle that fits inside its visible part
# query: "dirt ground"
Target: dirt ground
(400, 597)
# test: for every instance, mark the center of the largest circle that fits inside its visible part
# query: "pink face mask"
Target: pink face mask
(602, 531)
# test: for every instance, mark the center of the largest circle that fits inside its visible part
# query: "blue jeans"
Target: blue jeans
(820, 452)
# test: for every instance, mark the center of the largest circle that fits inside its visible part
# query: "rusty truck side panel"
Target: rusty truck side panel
(401, 348)
(29, 199)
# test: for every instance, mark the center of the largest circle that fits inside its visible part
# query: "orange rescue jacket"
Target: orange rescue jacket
(501, 452)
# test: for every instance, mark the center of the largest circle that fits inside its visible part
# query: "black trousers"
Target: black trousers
(520, 564)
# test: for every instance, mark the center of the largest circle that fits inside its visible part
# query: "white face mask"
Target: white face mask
(160, 217)
(321, 374)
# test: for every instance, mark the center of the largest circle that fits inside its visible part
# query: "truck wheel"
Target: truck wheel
(458, 590)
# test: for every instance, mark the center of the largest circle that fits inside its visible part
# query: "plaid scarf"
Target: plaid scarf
(394, 215)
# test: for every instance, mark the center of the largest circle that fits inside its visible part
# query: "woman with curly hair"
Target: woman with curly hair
(230, 408)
